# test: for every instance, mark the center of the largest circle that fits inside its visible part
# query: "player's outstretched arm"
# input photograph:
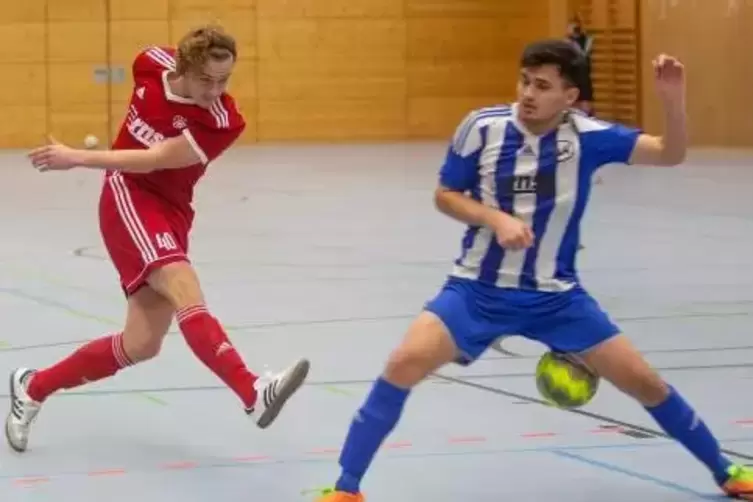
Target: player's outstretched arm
(172, 153)
(670, 148)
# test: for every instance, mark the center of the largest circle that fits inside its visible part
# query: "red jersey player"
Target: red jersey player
(180, 118)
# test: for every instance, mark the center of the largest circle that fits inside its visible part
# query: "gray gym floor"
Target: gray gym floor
(327, 252)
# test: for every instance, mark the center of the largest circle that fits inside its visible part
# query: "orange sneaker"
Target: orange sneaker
(739, 485)
(331, 495)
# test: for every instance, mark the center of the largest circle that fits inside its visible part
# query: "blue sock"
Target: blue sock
(681, 422)
(373, 422)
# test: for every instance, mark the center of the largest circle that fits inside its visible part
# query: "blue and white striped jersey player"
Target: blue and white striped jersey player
(519, 176)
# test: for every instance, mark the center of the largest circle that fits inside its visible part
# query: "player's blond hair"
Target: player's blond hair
(203, 44)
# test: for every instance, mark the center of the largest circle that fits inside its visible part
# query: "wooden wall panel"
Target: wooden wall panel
(719, 77)
(23, 93)
(478, 9)
(138, 10)
(559, 12)
(462, 55)
(338, 9)
(331, 70)
(616, 57)
(133, 25)
(76, 48)
(335, 70)
(201, 7)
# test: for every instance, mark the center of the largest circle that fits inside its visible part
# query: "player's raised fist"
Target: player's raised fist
(512, 233)
(669, 74)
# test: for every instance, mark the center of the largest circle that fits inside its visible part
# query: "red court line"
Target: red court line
(454, 440)
(180, 465)
(467, 440)
(396, 446)
(31, 481)
(107, 472)
(538, 434)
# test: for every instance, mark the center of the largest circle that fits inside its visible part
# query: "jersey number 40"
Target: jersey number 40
(165, 241)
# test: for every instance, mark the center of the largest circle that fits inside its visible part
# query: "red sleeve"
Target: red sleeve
(217, 130)
(153, 60)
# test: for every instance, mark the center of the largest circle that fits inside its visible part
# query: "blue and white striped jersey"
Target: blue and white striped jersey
(544, 180)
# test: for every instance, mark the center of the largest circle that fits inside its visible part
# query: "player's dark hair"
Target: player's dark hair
(203, 44)
(563, 54)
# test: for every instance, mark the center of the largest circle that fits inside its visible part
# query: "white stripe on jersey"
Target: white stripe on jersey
(199, 151)
(161, 57)
(540, 180)
(470, 267)
(523, 206)
(568, 173)
(220, 114)
(474, 121)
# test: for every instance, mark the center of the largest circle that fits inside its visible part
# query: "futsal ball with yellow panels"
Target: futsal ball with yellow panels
(564, 382)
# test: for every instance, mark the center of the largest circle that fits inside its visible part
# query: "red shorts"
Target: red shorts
(140, 231)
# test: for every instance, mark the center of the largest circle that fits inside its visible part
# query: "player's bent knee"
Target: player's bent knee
(426, 347)
(140, 348)
(179, 283)
(148, 320)
(652, 390)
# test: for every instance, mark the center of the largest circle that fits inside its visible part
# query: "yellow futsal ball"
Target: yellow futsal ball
(563, 382)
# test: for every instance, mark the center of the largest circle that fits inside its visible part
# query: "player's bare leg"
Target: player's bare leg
(148, 319)
(179, 283)
(618, 361)
(426, 347)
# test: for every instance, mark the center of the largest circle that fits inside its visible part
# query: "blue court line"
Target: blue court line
(633, 474)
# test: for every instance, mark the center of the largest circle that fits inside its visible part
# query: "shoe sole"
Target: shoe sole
(7, 420)
(300, 372)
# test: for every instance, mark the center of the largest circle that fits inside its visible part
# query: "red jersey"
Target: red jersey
(156, 113)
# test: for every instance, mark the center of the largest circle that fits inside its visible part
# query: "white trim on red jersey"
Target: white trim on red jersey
(195, 144)
(220, 114)
(161, 57)
(170, 95)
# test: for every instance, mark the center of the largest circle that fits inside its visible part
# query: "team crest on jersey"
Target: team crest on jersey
(565, 150)
(179, 122)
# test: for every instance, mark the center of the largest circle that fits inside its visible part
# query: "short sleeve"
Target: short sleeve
(609, 144)
(210, 143)
(152, 61)
(214, 134)
(460, 169)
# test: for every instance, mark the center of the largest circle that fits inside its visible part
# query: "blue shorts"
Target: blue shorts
(477, 314)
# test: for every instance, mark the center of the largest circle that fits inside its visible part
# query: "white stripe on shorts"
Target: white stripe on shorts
(131, 219)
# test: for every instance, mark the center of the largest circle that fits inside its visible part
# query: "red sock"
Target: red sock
(94, 361)
(208, 341)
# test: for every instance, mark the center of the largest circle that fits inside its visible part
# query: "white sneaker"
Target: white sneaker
(275, 390)
(23, 410)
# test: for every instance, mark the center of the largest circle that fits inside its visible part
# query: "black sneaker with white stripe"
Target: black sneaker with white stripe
(274, 394)
(23, 410)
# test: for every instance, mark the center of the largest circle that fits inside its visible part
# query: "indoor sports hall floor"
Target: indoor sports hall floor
(327, 252)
